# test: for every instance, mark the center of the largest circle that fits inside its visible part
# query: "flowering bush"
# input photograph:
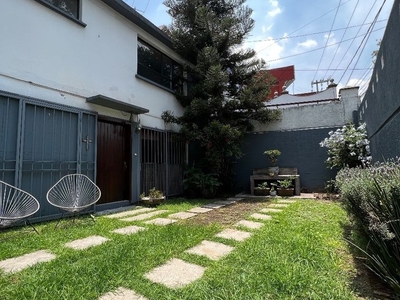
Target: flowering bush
(348, 147)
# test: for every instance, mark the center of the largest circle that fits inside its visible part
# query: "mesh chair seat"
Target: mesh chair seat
(73, 193)
(15, 205)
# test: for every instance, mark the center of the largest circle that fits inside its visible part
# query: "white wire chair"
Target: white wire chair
(16, 205)
(73, 193)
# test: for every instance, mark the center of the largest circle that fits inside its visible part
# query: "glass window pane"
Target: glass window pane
(70, 7)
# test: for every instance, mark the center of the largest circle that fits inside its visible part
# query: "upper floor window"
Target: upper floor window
(70, 7)
(159, 68)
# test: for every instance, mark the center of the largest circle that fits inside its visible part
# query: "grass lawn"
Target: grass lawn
(299, 254)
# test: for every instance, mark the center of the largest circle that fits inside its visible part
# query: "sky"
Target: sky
(331, 39)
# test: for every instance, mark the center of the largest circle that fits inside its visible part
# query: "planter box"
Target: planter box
(261, 192)
(152, 201)
(285, 192)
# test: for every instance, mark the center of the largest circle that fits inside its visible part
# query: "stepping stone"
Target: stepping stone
(182, 215)
(85, 243)
(278, 205)
(249, 224)
(161, 221)
(199, 210)
(286, 201)
(130, 212)
(212, 250)
(233, 234)
(145, 216)
(270, 210)
(261, 216)
(122, 294)
(129, 229)
(235, 199)
(176, 273)
(225, 202)
(214, 205)
(19, 263)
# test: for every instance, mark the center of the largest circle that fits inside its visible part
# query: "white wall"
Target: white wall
(47, 56)
(311, 116)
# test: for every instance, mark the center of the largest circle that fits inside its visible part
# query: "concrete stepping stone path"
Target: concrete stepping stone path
(278, 205)
(270, 210)
(130, 212)
(145, 216)
(176, 273)
(286, 201)
(261, 216)
(249, 224)
(122, 294)
(161, 221)
(16, 264)
(214, 205)
(234, 234)
(212, 250)
(199, 210)
(182, 215)
(85, 243)
(129, 229)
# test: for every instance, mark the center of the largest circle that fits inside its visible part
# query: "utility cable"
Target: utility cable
(327, 39)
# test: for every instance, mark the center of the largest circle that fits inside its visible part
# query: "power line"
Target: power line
(316, 49)
(327, 39)
(305, 25)
(309, 34)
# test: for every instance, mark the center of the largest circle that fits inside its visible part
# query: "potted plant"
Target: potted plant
(272, 192)
(286, 187)
(272, 155)
(262, 189)
(155, 197)
(207, 184)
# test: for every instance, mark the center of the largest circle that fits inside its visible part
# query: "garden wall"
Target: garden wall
(380, 108)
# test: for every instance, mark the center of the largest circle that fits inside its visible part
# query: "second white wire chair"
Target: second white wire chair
(73, 193)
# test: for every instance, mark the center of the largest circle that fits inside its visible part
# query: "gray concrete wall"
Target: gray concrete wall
(380, 108)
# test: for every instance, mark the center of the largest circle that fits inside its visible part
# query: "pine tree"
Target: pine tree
(225, 88)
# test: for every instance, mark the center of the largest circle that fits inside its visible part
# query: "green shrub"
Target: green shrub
(372, 197)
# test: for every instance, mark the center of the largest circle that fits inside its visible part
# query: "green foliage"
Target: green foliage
(285, 184)
(196, 180)
(153, 194)
(272, 156)
(348, 147)
(372, 197)
(225, 88)
(262, 186)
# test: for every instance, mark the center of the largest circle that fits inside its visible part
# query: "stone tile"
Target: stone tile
(145, 216)
(249, 224)
(130, 212)
(161, 221)
(261, 216)
(182, 215)
(85, 243)
(19, 263)
(129, 229)
(278, 205)
(199, 210)
(212, 250)
(270, 210)
(235, 199)
(214, 205)
(122, 294)
(176, 273)
(225, 202)
(234, 234)
(286, 201)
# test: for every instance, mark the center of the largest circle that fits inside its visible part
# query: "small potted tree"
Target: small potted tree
(155, 197)
(272, 155)
(262, 189)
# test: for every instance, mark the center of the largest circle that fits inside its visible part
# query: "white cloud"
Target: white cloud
(275, 8)
(308, 44)
(331, 40)
(268, 50)
(266, 29)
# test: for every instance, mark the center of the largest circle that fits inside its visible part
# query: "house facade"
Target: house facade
(83, 84)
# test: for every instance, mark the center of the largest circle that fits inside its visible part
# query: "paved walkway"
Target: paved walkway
(175, 273)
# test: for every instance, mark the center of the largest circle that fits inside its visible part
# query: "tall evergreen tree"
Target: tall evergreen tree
(225, 88)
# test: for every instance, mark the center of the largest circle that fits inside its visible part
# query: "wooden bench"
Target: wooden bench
(284, 173)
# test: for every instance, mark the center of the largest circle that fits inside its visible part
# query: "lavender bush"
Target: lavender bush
(372, 197)
(348, 147)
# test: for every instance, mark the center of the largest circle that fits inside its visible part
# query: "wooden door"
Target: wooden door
(113, 161)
